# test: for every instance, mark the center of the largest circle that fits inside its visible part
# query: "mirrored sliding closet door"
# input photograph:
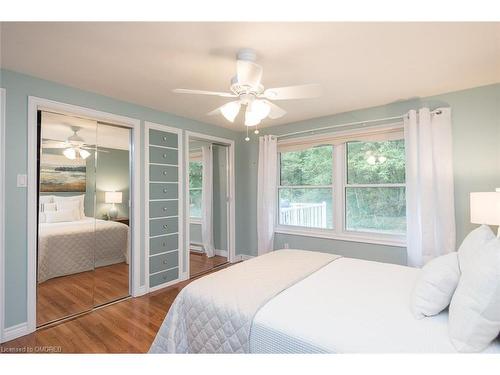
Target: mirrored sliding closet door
(83, 218)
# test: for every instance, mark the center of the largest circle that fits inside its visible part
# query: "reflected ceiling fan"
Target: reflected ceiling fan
(246, 86)
(74, 145)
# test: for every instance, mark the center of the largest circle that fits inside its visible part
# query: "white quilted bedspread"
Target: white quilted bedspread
(77, 246)
(214, 314)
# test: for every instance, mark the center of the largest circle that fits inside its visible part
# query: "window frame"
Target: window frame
(339, 230)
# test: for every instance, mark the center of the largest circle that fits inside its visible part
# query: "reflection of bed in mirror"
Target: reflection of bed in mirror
(71, 247)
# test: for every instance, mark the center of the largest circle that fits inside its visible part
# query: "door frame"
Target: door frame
(35, 104)
(231, 243)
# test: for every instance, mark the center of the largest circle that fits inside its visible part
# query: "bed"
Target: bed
(293, 301)
(67, 248)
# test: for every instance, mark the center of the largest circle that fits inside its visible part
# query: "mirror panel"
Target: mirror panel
(66, 240)
(112, 255)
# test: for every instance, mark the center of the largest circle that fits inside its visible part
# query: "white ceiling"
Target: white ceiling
(60, 127)
(359, 64)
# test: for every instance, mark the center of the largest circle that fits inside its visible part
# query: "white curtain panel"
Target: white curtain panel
(207, 230)
(430, 208)
(266, 193)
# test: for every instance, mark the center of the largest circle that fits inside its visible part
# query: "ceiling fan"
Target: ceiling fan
(246, 86)
(74, 145)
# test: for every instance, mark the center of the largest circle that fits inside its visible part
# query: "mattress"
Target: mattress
(77, 246)
(214, 314)
(350, 306)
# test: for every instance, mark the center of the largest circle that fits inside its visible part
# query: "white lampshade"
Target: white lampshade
(485, 208)
(113, 197)
(230, 110)
(84, 153)
(260, 108)
(70, 153)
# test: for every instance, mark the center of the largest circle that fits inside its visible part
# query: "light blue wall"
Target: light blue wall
(19, 87)
(476, 157)
(112, 174)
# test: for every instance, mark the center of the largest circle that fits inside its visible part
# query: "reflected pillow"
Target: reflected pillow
(79, 198)
(62, 216)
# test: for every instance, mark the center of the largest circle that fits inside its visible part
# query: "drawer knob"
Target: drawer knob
(164, 262)
(165, 173)
(164, 156)
(164, 277)
(164, 208)
(165, 226)
(164, 244)
(165, 190)
(164, 138)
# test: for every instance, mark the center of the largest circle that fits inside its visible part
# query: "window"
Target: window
(195, 179)
(375, 190)
(349, 187)
(306, 186)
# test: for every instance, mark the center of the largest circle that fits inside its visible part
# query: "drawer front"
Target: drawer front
(163, 191)
(158, 227)
(163, 173)
(162, 262)
(162, 244)
(163, 155)
(163, 277)
(165, 139)
(163, 208)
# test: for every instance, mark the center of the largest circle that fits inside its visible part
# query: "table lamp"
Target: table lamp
(485, 208)
(113, 197)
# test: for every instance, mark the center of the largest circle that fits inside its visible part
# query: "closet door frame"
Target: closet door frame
(34, 105)
(231, 223)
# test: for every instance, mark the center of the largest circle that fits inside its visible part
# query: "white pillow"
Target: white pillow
(42, 199)
(467, 251)
(62, 216)
(68, 205)
(435, 286)
(49, 207)
(79, 198)
(474, 319)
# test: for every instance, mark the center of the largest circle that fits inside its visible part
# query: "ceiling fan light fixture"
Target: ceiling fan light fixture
(70, 153)
(251, 118)
(230, 110)
(260, 108)
(84, 153)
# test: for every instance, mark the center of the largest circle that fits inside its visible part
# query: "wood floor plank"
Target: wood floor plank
(129, 326)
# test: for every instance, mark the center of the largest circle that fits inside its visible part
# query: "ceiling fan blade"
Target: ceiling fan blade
(54, 144)
(248, 73)
(276, 112)
(203, 92)
(293, 92)
(215, 111)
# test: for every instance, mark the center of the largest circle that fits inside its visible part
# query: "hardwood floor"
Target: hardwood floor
(128, 326)
(73, 294)
(199, 263)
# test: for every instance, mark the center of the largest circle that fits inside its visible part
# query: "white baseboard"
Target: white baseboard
(242, 257)
(198, 248)
(222, 253)
(140, 291)
(11, 333)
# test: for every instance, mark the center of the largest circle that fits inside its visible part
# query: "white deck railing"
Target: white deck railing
(304, 215)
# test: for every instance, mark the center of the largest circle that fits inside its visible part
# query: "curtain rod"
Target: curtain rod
(437, 111)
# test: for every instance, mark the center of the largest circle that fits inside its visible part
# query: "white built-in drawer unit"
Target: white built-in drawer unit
(163, 156)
